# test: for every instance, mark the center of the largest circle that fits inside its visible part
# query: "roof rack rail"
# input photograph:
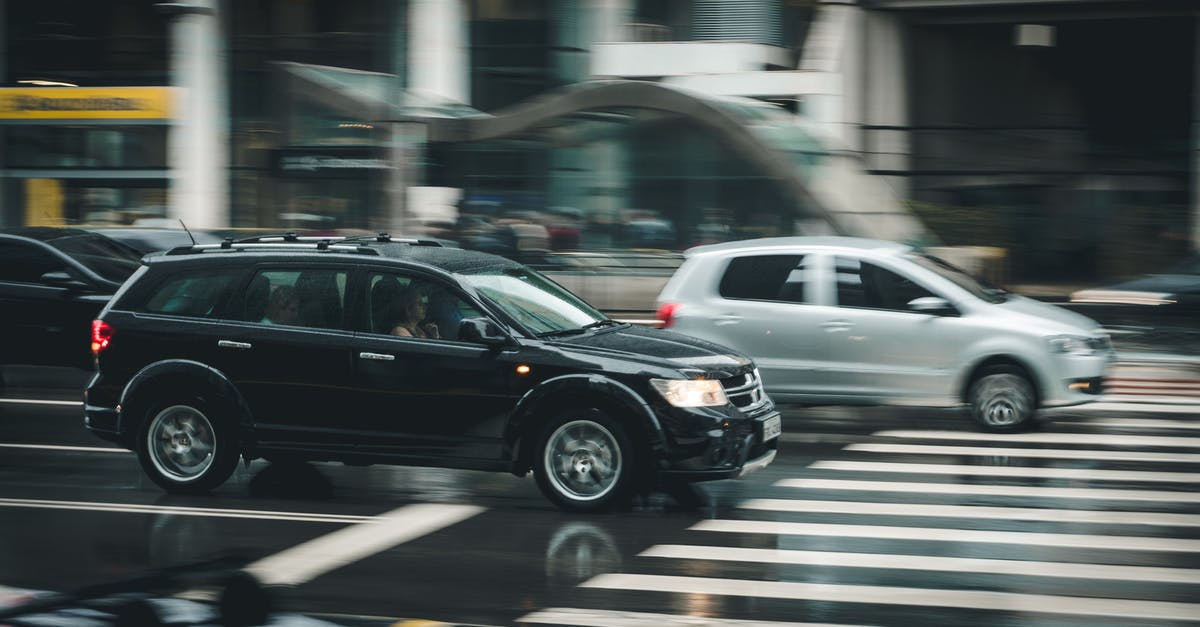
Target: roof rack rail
(324, 244)
(386, 238)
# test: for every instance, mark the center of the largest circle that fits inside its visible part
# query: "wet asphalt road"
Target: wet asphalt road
(868, 517)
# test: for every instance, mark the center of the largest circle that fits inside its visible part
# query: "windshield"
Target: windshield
(538, 303)
(977, 287)
(112, 261)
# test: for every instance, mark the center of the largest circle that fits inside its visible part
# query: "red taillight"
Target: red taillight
(102, 333)
(666, 314)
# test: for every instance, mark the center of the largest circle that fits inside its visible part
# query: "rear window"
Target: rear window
(765, 277)
(197, 295)
(113, 261)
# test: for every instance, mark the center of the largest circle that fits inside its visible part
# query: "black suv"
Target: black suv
(368, 350)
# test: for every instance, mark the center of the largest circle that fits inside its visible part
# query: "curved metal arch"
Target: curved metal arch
(707, 112)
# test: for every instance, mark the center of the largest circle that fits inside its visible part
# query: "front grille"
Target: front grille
(745, 391)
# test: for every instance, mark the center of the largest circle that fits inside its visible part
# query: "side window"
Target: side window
(864, 284)
(414, 307)
(26, 263)
(197, 295)
(765, 277)
(305, 298)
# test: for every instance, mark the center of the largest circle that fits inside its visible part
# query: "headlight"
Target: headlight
(691, 392)
(1071, 345)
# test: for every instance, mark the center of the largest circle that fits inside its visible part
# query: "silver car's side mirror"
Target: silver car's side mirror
(934, 305)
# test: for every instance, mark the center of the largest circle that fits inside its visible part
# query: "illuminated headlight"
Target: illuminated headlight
(691, 392)
(1071, 345)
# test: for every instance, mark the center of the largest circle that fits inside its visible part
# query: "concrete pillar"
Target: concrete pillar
(438, 56)
(885, 98)
(578, 25)
(197, 146)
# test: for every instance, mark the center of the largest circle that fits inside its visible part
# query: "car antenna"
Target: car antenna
(186, 230)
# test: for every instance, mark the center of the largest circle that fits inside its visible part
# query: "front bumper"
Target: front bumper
(1076, 380)
(724, 453)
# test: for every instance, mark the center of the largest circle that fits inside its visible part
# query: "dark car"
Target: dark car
(53, 282)
(1170, 299)
(153, 239)
(366, 351)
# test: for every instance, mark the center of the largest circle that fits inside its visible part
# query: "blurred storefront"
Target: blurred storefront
(1061, 131)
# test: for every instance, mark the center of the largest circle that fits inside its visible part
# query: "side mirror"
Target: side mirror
(481, 331)
(934, 305)
(62, 279)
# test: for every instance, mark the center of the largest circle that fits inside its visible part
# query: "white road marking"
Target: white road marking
(311, 559)
(127, 508)
(1087, 474)
(1102, 439)
(922, 487)
(1136, 423)
(1169, 405)
(1047, 453)
(887, 595)
(1101, 517)
(59, 447)
(940, 534)
(614, 618)
(35, 401)
(1070, 570)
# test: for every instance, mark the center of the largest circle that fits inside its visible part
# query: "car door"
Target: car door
(428, 395)
(765, 306)
(880, 349)
(48, 305)
(287, 349)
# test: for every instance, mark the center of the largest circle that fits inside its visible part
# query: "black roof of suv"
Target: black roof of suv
(370, 350)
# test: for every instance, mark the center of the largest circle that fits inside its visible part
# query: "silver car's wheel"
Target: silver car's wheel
(181, 443)
(585, 461)
(1003, 401)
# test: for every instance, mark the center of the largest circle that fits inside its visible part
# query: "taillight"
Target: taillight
(666, 314)
(102, 333)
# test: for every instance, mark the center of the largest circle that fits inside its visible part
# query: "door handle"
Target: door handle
(725, 319)
(834, 326)
(377, 356)
(232, 344)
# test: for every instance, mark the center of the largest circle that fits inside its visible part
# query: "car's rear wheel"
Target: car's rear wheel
(183, 447)
(584, 461)
(1003, 400)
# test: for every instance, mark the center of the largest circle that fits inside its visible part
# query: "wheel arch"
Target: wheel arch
(162, 377)
(1002, 360)
(545, 401)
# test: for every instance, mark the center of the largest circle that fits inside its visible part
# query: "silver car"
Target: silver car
(839, 320)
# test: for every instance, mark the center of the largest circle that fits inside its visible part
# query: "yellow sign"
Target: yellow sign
(85, 103)
(43, 202)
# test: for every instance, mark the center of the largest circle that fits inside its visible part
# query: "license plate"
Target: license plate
(772, 427)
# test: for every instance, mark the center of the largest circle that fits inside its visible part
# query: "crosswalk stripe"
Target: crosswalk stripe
(1103, 439)
(1140, 404)
(887, 595)
(1071, 570)
(1103, 517)
(1090, 474)
(1042, 453)
(1137, 423)
(615, 618)
(993, 490)
(942, 534)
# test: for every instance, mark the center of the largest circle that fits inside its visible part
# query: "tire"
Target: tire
(1003, 400)
(185, 448)
(584, 461)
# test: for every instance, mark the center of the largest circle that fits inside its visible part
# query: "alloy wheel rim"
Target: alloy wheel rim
(181, 443)
(1006, 401)
(582, 460)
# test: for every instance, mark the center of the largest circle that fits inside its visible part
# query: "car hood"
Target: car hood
(642, 344)
(1046, 311)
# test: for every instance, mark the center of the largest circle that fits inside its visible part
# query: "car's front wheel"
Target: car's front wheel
(184, 448)
(584, 461)
(1003, 400)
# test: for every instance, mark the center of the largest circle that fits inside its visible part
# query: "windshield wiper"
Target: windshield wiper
(561, 332)
(602, 323)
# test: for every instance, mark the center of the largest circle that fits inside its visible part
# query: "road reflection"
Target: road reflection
(579, 551)
(291, 480)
